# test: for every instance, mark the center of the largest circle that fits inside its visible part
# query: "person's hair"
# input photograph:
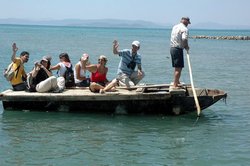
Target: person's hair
(24, 53)
(48, 66)
(65, 55)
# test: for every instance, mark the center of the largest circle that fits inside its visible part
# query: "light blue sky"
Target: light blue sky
(227, 12)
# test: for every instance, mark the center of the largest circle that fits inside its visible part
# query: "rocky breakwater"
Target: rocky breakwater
(221, 37)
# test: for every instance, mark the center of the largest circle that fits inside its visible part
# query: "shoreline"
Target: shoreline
(221, 37)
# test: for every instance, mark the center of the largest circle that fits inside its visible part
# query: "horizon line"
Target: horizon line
(126, 24)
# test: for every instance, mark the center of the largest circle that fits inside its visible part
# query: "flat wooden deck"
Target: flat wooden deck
(82, 95)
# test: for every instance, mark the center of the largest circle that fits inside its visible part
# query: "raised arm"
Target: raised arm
(14, 49)
(115, 47)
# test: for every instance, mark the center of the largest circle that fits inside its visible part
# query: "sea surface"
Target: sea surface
(220, 137)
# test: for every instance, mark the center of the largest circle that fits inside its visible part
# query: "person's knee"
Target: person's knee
(61, 82)
(53, 81)
(61, 79)
(114, 81)
(92, 86)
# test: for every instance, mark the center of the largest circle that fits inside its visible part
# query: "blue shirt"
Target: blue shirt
(126, 58)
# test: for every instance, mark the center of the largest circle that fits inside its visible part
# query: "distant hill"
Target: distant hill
(87, 23)
(116, 23)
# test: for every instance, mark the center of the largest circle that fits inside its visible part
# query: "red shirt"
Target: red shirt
(98, 77)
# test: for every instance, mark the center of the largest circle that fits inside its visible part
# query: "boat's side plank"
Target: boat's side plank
(151, 86)
(153, 99)
(81, 95)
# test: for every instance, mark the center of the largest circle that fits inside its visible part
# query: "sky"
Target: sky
(226, 12)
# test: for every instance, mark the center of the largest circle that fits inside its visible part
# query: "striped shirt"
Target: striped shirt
(126, 58)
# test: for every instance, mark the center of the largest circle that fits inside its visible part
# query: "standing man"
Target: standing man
(179, 41)
(17, 82)
(130, 58)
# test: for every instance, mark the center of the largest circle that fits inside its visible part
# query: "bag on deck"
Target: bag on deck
(30, 86)
(9, 72)
(69, 77)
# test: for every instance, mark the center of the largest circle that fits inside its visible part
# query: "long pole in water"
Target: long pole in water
(192, 85)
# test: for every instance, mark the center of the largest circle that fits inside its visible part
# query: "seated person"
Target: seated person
(127, 75)
(17, 81)
(98, 74)
(41, 79)
(65, 70)
(80, 72)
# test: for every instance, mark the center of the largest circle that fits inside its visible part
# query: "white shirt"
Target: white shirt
(179, 33)
(62, 69)
(82, 73)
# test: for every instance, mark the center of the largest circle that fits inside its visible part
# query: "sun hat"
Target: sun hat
(136, 43)
(186, 18)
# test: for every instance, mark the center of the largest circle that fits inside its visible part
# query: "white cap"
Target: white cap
(136, 43)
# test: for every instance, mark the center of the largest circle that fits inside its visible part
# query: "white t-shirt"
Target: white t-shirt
(179, 33)
(82, 73)
(62, 69)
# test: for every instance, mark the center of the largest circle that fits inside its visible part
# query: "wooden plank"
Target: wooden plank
(150, 86)
(81, 95)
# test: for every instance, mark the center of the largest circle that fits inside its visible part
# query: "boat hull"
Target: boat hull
(149, 101)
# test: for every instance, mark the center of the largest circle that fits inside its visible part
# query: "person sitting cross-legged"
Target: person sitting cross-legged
(41, 79)
(98, 74)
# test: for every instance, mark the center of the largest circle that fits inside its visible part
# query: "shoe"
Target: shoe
(172, 88)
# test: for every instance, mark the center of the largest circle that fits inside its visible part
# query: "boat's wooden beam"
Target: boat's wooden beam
(150, 86)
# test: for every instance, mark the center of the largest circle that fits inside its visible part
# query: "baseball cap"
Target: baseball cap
(186, 18)
(136, 43)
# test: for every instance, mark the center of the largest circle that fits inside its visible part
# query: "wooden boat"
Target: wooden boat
(149, 99)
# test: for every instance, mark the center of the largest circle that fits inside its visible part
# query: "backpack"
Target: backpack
(30, 86)
(9, 72)
(69, 77)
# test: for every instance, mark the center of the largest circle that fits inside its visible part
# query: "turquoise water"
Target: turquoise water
(221, 136)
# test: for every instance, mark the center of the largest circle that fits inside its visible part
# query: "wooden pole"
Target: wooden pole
(192, 85)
